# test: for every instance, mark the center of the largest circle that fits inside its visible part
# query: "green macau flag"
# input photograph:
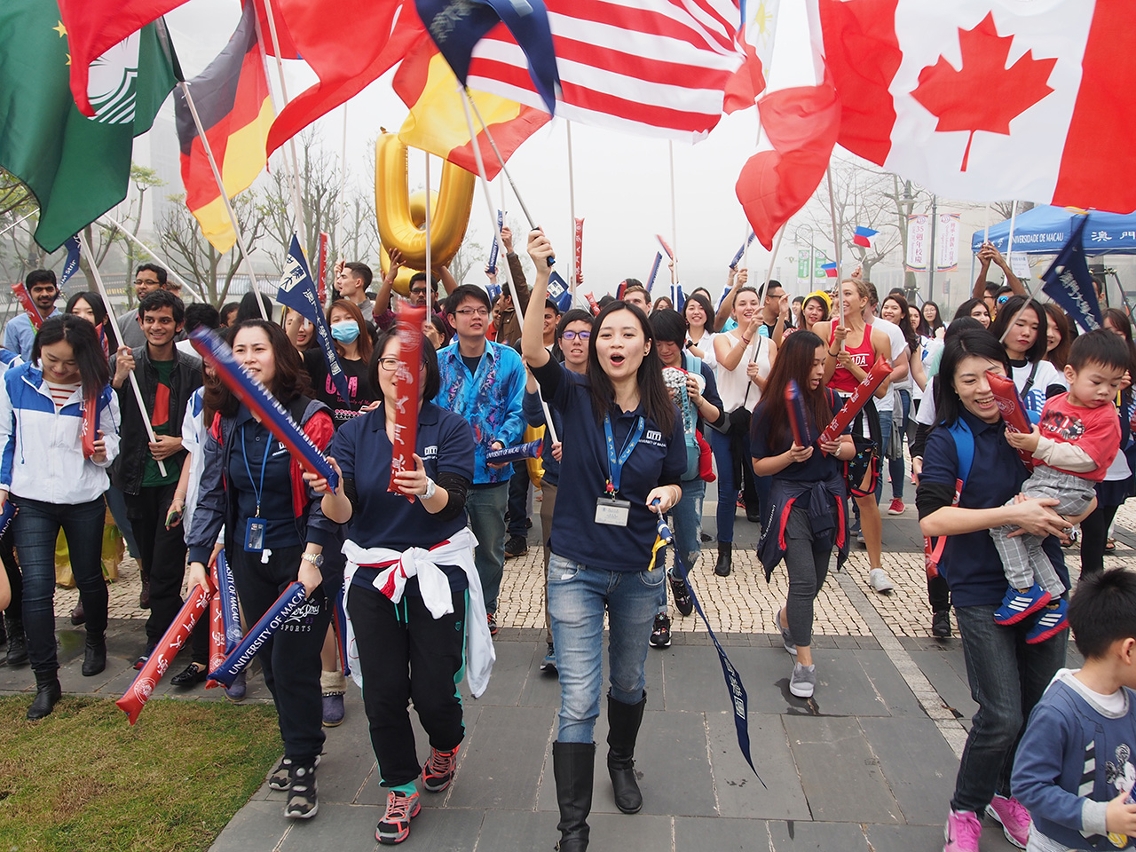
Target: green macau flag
(77, 167)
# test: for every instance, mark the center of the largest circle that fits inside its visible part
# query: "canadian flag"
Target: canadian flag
(990, 99)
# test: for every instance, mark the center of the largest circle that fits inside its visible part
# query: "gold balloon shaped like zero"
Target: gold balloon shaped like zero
(401, 218)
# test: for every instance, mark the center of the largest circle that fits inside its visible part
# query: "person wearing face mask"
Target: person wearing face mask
(353, 348)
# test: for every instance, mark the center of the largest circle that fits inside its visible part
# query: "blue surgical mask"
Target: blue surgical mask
(345, 331)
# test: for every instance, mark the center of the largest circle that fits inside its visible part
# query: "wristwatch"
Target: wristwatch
(431, 487)
(314, 558)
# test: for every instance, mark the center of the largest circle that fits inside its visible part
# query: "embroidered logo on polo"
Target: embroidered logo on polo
(301, 620)
(430, 452)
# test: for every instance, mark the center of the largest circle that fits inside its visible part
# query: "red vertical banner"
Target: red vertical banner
(593, 304)
(90, 410)
(321, 279)
(406, 382)
(216, 628)
(26, 301)
(579, 251)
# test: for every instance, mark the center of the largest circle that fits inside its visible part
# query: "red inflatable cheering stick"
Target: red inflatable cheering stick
(852, 406)
(1012, 409)
(173, 641)
(406, 380)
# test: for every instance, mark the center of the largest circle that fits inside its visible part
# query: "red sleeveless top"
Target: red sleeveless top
(863, 356)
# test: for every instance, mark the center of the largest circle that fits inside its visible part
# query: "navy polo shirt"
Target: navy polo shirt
(970, 562)
(250, 441)
(384, 519)
(658, 459)
(816, 468)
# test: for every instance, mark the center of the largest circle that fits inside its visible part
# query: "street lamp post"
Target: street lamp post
(812, 251)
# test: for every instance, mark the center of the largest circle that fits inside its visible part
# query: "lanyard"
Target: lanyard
(256, 491)
(615, 464)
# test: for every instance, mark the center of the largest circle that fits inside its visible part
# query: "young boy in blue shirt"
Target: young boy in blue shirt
(1075, 766)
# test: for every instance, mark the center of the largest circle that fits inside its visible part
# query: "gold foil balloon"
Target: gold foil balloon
(401, 217)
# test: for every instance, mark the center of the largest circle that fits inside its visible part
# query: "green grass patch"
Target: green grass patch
(84, 779)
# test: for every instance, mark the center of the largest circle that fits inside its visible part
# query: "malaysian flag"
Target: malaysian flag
(654, 66)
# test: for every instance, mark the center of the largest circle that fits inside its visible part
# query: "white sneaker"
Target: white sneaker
(803, 681)
(878, 580)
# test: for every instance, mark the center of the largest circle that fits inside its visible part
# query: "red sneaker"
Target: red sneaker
(896, 507)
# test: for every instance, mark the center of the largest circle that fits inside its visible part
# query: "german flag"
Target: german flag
(232, 99)
(437, 121)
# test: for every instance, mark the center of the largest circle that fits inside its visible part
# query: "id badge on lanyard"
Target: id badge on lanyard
(611, 510)
(256, 527)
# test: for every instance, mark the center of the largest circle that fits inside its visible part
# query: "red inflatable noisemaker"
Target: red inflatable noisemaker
(856, 402)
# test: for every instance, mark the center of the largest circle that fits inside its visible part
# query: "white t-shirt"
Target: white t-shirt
(734, 386)
(1045, 375)
(928, 346)
(898, 344)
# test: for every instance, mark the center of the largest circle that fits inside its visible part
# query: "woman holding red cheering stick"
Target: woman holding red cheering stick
(412, 589)
(623, 457)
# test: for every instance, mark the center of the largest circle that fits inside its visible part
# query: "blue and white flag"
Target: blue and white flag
(559, 292)
(71, 264)
(738, 257)
(1069, 283)
(678, 298)
(298, 292)
(494, 249)
(456, 26)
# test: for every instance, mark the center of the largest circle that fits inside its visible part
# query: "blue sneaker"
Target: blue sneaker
(1051, 622)
(1017, 605)
(548, 664)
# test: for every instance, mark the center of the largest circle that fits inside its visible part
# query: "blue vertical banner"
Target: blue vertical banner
(654, 271)
(1069, 283)
(558, 291)
(494, 249)
(71, 264)
(298, 292)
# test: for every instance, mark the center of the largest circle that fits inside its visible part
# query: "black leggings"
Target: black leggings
(1094, 535)
(406, 655)
(806, 561)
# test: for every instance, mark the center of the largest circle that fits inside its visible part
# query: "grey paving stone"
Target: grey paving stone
(518, 831)
(670, 758)
(947, 673)
(510, 671)
(820, 836)
(845, 685)
(624, 831)
(257, 827)
(906, 838)
(693, 679)
(347, 758)
(699, 834)
(889, 684)
(918, 764)
(334, 827)
(438, 829)
(503, 760)
(739, 792)
(839, 772)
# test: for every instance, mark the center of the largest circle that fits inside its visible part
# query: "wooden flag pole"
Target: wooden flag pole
(571, 214)
(246, 259)
(18, 221)
(835, 245)
(467, 101)
(674, 217)
(429, 253)
(118, 344)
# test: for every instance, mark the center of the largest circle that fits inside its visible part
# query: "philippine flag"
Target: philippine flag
(829, 270)
(864, 237)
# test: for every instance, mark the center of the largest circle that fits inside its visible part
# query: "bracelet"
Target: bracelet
(746, 341)
(832, 354)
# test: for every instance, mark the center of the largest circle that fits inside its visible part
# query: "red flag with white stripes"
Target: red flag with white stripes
(656, 66)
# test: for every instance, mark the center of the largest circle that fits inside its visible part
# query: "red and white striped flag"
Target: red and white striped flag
(654, 66)
(985, 103)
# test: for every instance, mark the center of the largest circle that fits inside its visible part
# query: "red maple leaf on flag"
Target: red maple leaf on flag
(984, 94)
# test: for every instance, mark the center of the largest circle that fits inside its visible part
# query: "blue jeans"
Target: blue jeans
(1007, 678)
(895, 467)
(577, 597)
(686, 524)
(36, 528)
(486, 508)
(519, 500)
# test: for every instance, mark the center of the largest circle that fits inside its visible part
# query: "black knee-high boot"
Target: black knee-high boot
(623, 727)
(573, 765)
(48, 692)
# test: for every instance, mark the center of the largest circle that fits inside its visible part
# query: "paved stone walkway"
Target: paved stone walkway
(868, 764)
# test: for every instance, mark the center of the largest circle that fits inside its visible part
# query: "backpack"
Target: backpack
(964, 447)
(690, 364)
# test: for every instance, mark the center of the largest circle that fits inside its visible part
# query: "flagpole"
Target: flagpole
(1010, 241)
(342, 200)
(467, 101)
(835, 245)
(986, 226)
(745, 242)
(674, 219)
(571, 214)
(247, 259)
(86, 250)
(297, 195)
(429, 258)
(134, 239)
(470, 102)
(18, 221)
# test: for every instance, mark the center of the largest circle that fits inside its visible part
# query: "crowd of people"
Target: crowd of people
(644, 405)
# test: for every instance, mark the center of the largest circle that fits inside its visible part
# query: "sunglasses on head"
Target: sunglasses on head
(1003, 299)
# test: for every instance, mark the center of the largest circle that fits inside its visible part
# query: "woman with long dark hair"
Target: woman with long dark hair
(407, 651)
(1007, 675)
(1058, 336)
(275, 534)
(894, 309)
(623, 457)
(814, 309)
(976, 309)
(54, 484)
(90, 306)
(932, 320)
(1021, 327)
(699, 316)
(803, 534)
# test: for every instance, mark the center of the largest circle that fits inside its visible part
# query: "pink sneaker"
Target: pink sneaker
(962, 833)
(1013, 816)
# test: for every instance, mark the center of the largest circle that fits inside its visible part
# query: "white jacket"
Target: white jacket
(41, 449)
(435, 589)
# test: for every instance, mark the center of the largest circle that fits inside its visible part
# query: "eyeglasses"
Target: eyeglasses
(573, 335)
(154, 283)
(418, 291)
(473, 312)
(389, 364)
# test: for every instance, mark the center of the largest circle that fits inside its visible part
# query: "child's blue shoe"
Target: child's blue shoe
(1017, 605)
